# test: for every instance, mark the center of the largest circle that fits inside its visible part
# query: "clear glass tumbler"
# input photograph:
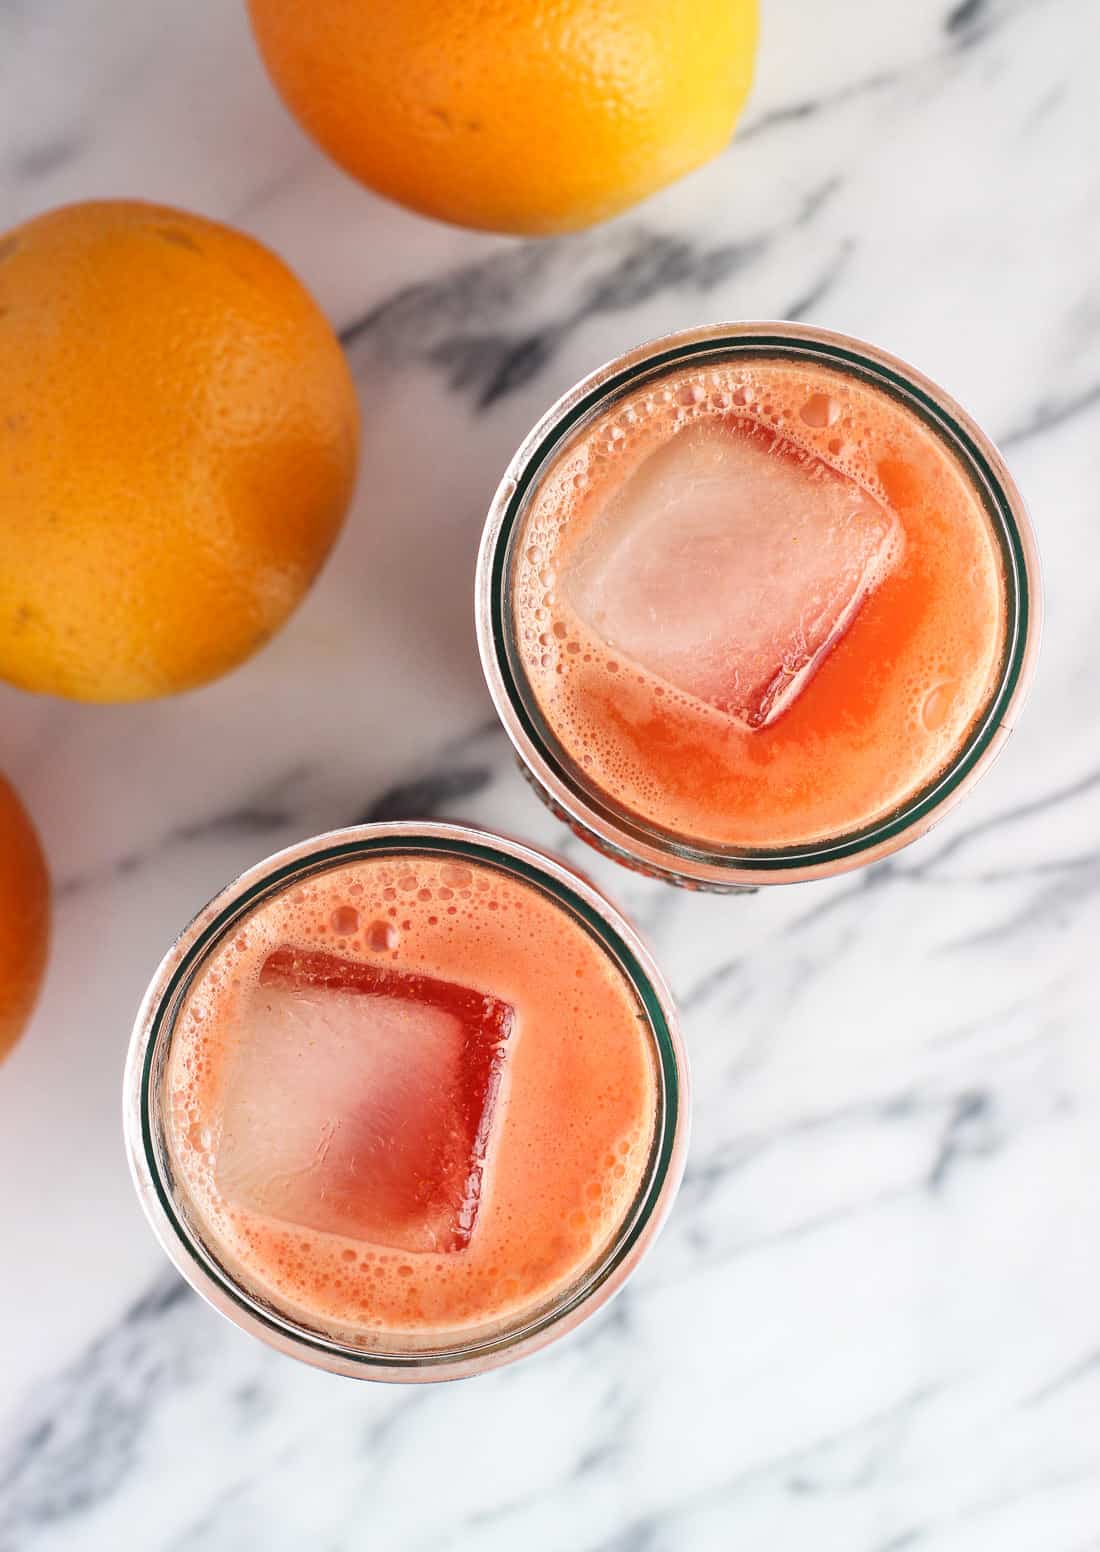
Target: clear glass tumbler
(593, 813)
(172, 1214)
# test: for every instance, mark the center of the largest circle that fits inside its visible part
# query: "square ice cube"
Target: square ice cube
(729, 563)
(360, 1101)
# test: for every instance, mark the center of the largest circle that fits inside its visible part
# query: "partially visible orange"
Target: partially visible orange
(178, 435)
(24, 916)
(529, 116)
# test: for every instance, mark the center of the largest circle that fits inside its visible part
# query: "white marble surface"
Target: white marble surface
(873, 1323)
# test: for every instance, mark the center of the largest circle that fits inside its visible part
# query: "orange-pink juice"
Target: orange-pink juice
(644, 628)
(538, 1105)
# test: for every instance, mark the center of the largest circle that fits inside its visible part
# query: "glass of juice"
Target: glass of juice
(407, 1101)
(756, 603)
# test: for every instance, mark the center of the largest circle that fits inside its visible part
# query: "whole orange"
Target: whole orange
(178, 433)
(24, 916)
(529, 116)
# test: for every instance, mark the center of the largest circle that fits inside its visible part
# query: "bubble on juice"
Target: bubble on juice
(345, 920)
(820, 410)
(382, 936)
(937, 704)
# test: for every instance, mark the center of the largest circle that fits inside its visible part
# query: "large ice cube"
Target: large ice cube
(729, 563)
(360, 1101)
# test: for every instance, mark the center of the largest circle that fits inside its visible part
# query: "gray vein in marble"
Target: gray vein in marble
(428, 797)
(964, 24)
(615, 1408)
(964, 1130)
(903, 869)
(810, 300)
(452, 324)
(196, 1537)
(455, 772)
(703, 1244)
(659, 1530)
(264, 813)
(963, 17)
(969, 1132)
(83, 1428)
(463, 768)
(1088, 1368)
(990, 1503)
(1031, 808)
(810, 107)
(969, 22)
(1047, 905)
(45, 157)
(1050, 414)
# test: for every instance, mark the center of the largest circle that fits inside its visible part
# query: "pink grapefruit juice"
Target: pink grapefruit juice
(758, 604)
(410, 1096)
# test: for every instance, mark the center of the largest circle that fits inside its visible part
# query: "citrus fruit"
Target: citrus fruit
(530, 116)
(178, 435)
(24, 916)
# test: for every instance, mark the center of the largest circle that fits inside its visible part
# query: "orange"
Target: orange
(24, 916)
(530, 116)
(178, 434)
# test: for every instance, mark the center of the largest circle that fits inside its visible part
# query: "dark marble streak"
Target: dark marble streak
(948, 1128)
(1030, 808)
(995, 1503)
(45, 157)
(1075, 874)
(813, 107)
(640, 1536)
(616, 1322)
(741, 1151)
(962, 18)
(1048, 906)
(964, 25)
(264, 814)
(462, 770)
(716, 980)
(234, 1520)
(79, 1436)
(1080, 862)
(616, 1409)
(428, 797)
(899, 1543)
(970, 22)
(1049, 414)
(1087, 1368)
(704, 1244)
(660, 1531)
(452, 325)
(969, 1132)
(1043, 109)
(963, 1123)
(810, 300)
(385, 1434)
(212, 1527)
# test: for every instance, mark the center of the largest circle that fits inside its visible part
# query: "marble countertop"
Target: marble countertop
(873, 1322)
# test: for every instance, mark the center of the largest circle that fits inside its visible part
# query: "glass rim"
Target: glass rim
(151, 1040)
(549, 764)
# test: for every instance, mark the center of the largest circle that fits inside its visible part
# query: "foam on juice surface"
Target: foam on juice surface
(572, 1122)
(904, 670)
